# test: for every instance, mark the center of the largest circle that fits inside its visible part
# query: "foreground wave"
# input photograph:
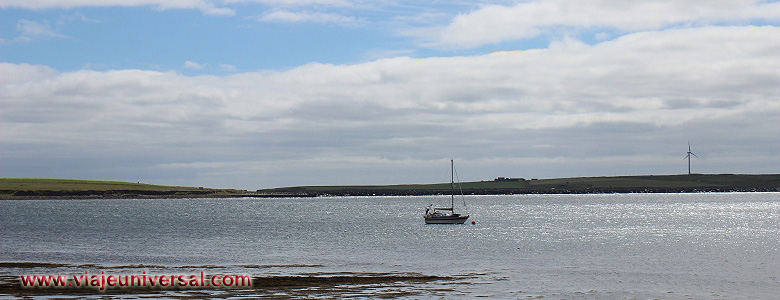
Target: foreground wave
(305, 285)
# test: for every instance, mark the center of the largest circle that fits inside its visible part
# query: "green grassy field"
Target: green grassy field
(69, 184)
(648, 183)
(12, 188)
(69, 187)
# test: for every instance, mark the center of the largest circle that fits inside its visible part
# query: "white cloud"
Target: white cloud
(498, 23)
(284, 16)
(228, 68)
(191, 65)
(196, 66)
(564, 110)
(75, 17)
(374, 54)
(31, 29)
(337, 3)
(207, 7)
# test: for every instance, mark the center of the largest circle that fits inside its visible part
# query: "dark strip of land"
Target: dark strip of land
(16, 188)
(25, 188)
(579, 185)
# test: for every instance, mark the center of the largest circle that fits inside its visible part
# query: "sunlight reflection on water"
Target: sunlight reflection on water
(573, 246)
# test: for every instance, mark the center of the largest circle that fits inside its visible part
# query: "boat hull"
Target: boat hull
(446, 219)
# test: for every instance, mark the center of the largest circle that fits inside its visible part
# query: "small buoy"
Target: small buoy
(473, 222)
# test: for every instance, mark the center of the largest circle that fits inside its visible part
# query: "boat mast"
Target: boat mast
(452, 185)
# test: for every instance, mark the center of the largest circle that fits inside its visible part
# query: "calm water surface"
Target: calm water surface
(644, 246)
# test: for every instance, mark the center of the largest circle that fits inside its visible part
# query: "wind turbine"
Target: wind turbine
(688, 157)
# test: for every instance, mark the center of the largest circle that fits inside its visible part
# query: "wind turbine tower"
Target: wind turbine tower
(689, 157)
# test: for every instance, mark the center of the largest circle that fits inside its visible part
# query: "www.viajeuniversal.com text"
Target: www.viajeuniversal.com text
(105, 281)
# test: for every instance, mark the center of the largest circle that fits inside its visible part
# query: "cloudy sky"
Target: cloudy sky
(267, 93)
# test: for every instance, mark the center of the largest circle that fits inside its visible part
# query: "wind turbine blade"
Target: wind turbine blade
(686, 157)
(694, 155)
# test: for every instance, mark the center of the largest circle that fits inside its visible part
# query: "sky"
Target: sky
(254, 94)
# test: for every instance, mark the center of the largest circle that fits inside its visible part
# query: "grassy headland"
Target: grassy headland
(24, 188)
(577, 185)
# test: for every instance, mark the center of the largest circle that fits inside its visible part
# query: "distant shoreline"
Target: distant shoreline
(380, 193)
(694, 183)
(139, 196)
(53, 189)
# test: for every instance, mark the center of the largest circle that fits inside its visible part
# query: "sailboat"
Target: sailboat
(446, 215)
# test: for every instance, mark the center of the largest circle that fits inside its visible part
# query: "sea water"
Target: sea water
(605, 246)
